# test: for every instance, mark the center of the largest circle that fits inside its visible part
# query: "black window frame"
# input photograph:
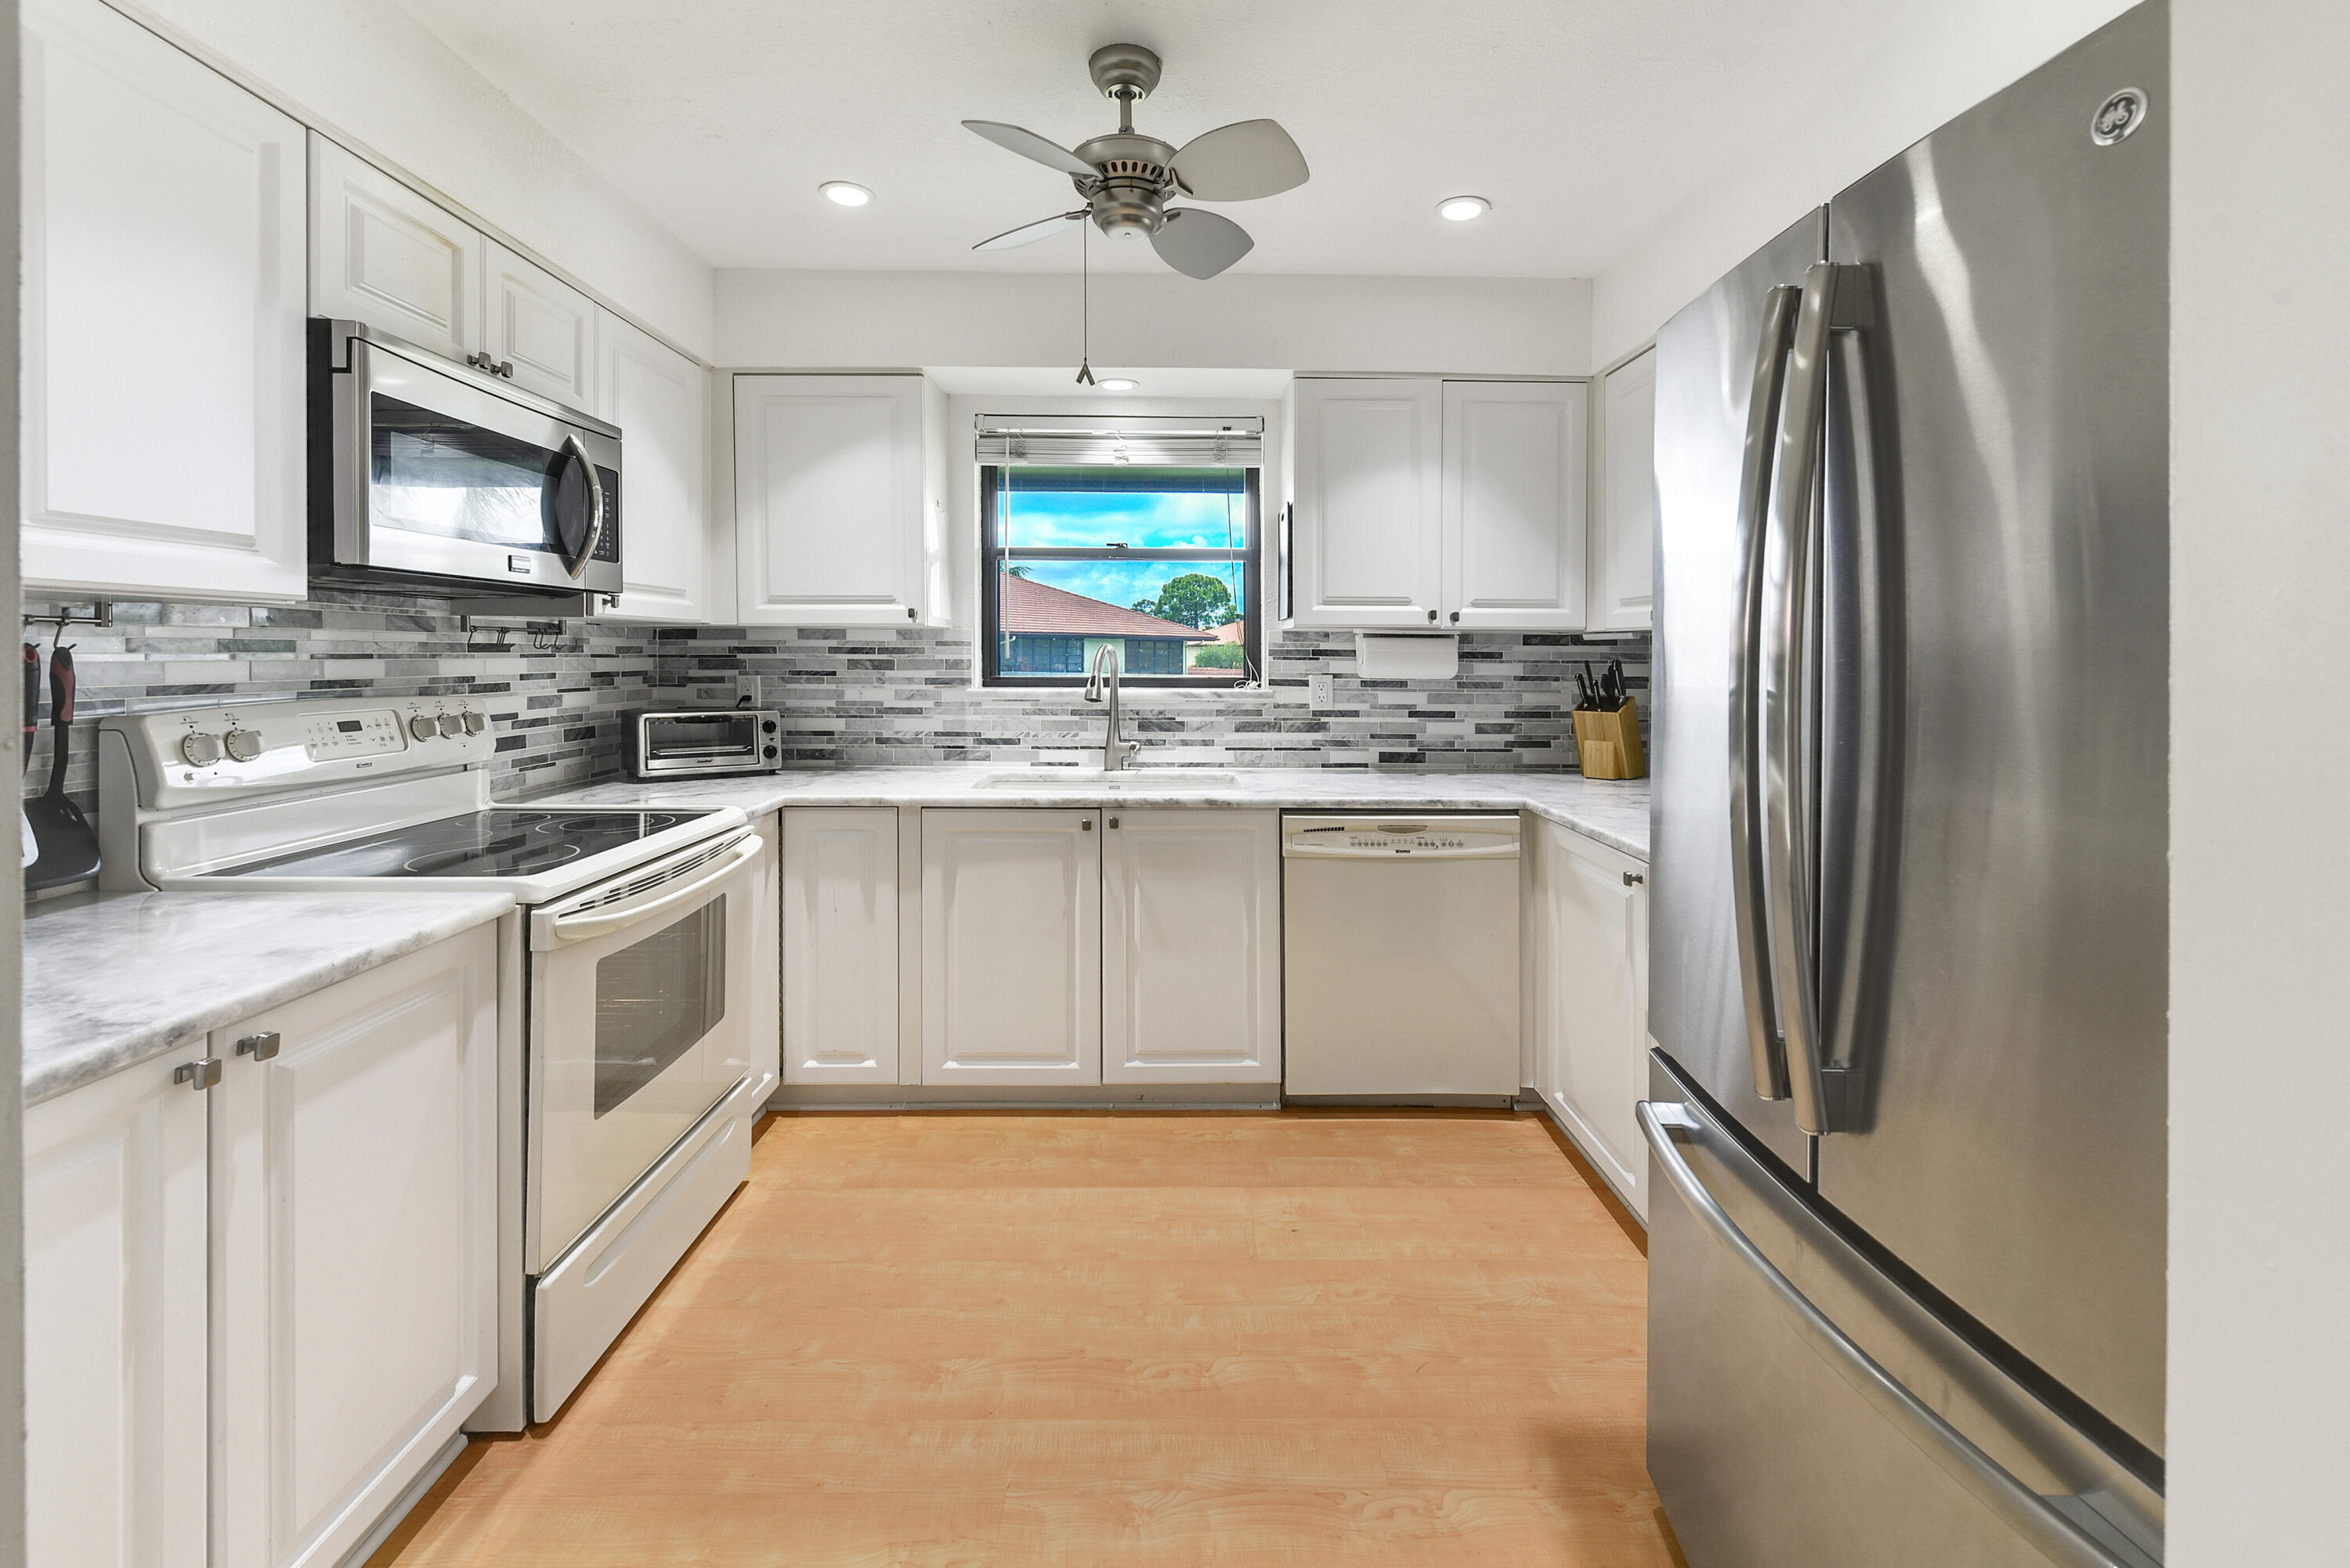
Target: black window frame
(993, 556)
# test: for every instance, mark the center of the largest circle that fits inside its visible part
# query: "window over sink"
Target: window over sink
(1160, 561)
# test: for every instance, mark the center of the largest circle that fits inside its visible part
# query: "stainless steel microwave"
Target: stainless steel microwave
(687, 742)
(446, 478)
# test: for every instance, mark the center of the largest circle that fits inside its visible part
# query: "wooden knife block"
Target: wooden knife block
(1609, 744)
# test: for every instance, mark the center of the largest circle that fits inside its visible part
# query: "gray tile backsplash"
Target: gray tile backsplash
(849, 698)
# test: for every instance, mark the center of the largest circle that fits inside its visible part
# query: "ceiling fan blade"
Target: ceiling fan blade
(1028, 144)
(1029, 234)
(1199, 243)
(1241, 162)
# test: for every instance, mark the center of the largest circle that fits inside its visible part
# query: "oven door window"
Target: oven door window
(703, 737)
(436, 474)
(655, 1000)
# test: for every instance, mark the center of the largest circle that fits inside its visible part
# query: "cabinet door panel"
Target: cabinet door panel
(163, 311)
(1368, 510)
(1515, 483)
(543, 327)
(1011, 947)
(1596, 1026)
(1192, 947)
(828, 500)
(114, 1246)
(657, 396)
(354, 1206)
(381, 254)
(840, 945)
(1623, 561)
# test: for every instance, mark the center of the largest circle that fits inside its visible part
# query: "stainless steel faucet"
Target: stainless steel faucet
(1116, 747)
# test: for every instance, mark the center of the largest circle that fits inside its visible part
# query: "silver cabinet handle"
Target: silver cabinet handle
(260, 1047)
(199, 1074)
(1762, 1044)
(1633, 879)
(1086, 826)
(1113, 822)
(505, 369)
(2032, 1516)
(1432, 615)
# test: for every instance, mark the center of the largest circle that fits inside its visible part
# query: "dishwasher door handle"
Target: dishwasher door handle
(1338, 852)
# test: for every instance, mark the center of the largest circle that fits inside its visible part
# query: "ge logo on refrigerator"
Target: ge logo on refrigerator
(2117, 116)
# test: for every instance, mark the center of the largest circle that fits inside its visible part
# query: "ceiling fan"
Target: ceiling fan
(1126, 177)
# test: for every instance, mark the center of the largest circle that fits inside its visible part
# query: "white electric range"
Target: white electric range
(645, 968)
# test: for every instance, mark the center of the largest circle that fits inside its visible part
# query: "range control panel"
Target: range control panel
(187, 754)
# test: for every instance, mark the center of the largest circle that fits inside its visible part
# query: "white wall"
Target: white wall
(777, 320)
(1933, 63)
(2259, 932)
(363, 70)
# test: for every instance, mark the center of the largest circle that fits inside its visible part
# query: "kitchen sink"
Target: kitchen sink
(1093, 781)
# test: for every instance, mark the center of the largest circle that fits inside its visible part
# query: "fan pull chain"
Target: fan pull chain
(1085, 306)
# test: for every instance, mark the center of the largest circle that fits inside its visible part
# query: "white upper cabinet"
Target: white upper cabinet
(1513, 504)
(540, 331)
(1444, 506)
(834, 523)
(163, 319)
(1192, 947)
(1367, 503)
(383, 254)
(1012, 935)
(657, 397)
(1623, 565)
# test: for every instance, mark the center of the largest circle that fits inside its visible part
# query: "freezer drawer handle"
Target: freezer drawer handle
(2036, 1518)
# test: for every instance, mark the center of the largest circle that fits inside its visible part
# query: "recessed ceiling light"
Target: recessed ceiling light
(841, 193)
(1118, 383)
(1460, 208)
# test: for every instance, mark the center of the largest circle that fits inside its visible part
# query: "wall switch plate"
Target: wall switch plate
(1321, 692)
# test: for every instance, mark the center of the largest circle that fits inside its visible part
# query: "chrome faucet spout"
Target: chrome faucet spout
(1103, 677)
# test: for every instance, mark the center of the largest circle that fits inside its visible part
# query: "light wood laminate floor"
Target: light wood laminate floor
(1085, 1339)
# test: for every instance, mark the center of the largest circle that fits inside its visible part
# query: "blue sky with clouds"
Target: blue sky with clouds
(1045, 520)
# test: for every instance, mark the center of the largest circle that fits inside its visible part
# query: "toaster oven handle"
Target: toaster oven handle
(580, 927)
(577, 452)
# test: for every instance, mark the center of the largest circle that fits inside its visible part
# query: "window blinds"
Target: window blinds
(1150, 441)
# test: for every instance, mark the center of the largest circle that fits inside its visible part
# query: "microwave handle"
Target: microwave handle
(577, 452)
(580, 927)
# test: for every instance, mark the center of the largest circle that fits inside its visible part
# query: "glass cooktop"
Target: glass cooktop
(499, 842)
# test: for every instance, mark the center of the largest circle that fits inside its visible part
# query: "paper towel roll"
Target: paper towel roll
(1406, 655)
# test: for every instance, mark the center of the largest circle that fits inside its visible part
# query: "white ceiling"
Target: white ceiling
(1585, 122)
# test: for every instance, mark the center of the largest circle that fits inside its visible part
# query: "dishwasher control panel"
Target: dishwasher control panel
(1485, 836)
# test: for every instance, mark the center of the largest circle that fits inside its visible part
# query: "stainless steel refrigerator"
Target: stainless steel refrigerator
(1907, 939)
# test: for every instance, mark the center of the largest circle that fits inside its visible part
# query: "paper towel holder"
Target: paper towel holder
(1406, 655)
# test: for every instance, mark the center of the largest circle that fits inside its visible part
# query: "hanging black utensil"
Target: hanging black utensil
(68, 848)
(32, 699)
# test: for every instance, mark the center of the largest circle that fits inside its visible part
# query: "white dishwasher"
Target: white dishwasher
(1399, 957)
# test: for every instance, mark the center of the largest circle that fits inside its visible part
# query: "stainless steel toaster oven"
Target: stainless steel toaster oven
(688, 742)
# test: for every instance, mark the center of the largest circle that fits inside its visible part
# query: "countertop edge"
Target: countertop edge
(60, 1075)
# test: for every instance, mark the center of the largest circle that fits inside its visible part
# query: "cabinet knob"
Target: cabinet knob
(1633, 879)
(200, 1075)
(909, 612)
(1113, 822)
(1086, 826)
(1432, 615)
(1456, 618)
(260, 1047)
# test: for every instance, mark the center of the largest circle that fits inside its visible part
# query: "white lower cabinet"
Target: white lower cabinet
(1012, 947)
(840, 945)
(115, 1250)
(1590, 909)
(257, 1313)
(1192, 947)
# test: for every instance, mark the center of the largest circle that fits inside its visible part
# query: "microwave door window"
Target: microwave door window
(655, 1000)
(431, 474)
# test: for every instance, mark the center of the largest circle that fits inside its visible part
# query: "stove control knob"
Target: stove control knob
(422, 727)
(201, 751)
(242, 744)
(475, 723)
(451, 725)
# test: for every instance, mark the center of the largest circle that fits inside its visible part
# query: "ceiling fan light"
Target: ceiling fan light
(1118, 383)
(842, 193)
(1461, 209)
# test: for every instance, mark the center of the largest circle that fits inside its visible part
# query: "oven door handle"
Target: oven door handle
(579, 928)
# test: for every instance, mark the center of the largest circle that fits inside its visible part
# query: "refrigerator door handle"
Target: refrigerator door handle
(1835, 298)
(1764, 1044)
(2038, 1519)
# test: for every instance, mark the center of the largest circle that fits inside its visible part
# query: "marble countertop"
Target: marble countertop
(1612, 811)
(113, 979)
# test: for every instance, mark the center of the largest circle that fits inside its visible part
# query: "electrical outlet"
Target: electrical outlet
(1321, 692)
